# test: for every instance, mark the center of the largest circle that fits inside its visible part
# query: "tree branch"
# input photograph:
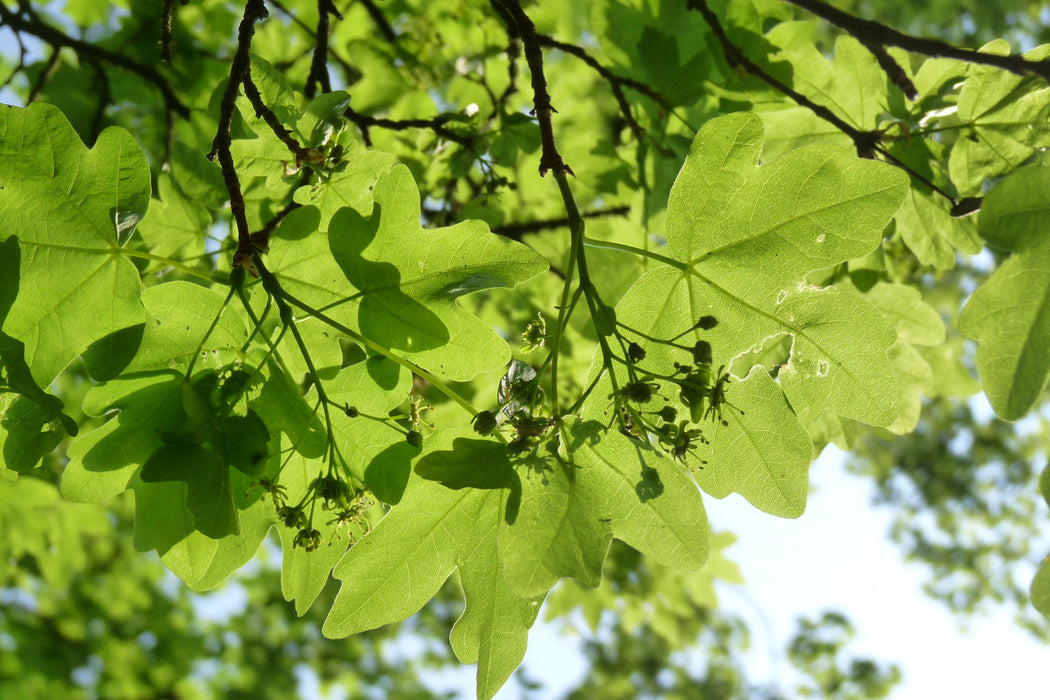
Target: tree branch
(871, 32)
(518, 230)
(866, 142)
(616, 84)
(382, 24)
(863, 140)
(165, 30)
(34, 26)
(435, 124)
(301, 153)
(550, 159)
(254, 11)
(318, 76)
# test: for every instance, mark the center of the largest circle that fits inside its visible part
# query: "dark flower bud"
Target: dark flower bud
(702, 352)
(484, 422)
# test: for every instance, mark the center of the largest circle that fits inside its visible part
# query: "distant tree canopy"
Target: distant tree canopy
(471, 290)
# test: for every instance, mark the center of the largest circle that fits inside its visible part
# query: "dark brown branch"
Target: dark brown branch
(582, 54)
(435, 124)
(50, 68)
(516, 231)
(382, 24)
(513, 53)
(863, 140)
(261, 238)
(301, 153)
(871, 32)
(105, 95)
(616, 84)
(21, 62)
(550, 159)
(58, 39)
(165, 30)
(318, 76)
(351, 74)
(866, 142)
(254, 11)
(893, 70)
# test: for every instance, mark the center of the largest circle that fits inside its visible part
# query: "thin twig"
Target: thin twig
(301, 153)
(254, 11)
(516, 231)
(351, 74)
(864, 141)
(591, 61)
(318, 76)
(867, 143)
(59, 39)
(892, 69)
(165, 30)
(616, 84)
(105, 95)
(435, 124)
(869, 31)
(50, 68)
(381, 22)
(21, 62)
(550, 159)
(261, 238)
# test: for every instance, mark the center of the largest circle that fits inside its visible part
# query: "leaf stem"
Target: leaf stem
(641, 252)
(131, 253)
(372, 345)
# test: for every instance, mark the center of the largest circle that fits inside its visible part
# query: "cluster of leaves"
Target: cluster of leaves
(262, 340)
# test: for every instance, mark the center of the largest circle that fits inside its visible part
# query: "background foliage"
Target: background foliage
(291, 268)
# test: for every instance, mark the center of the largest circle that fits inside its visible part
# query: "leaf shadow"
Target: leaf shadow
(476, 464)
(386, 314)
(130, 442)
(387, 473)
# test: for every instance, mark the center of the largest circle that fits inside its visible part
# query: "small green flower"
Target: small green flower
(535, 334)
(307, 538)
(292, 516)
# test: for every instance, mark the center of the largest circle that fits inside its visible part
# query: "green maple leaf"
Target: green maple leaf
(349, 186)
(613, 487)
(397, 284)
(404, 561)
(29, 416)
(375, 452)
(1008, 315)
(72, 209)
(187, 496)
(742, 239)
(1008, 116)
(852, 85)
(304, 573)
(174, 224)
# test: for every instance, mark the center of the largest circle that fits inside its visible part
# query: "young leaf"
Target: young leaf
(768, 438)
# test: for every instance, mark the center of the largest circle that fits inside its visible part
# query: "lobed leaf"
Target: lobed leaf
(71, 209)
(1009, 315)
